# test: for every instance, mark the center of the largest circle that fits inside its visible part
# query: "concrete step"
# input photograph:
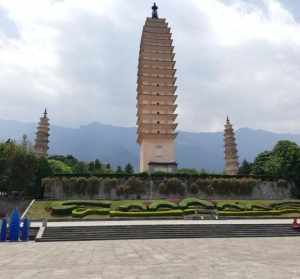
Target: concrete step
(82, 233)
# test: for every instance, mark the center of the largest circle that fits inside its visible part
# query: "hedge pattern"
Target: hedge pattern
(137, 208)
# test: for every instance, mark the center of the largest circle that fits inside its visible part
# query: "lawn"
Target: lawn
(97, 209)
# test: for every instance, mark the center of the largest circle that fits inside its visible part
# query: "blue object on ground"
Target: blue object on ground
(25, 230)
(3, 228)
(14, 226)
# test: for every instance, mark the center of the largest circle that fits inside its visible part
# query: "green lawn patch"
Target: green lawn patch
(162, 205)
(196, 203)
(93, 209)
(177, 212)
(82, 212)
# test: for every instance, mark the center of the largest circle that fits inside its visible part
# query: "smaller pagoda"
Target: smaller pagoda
(231, 154)
(42, 137)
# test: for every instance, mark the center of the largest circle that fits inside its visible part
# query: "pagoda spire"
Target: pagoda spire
(154, 11)
(42, 136)
(231, 154)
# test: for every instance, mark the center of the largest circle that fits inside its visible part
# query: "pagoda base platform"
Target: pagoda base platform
(169, 167)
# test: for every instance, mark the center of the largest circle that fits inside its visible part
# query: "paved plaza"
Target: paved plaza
(173, 258)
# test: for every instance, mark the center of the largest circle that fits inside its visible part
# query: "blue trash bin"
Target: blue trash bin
(14, 226)
(3, 229)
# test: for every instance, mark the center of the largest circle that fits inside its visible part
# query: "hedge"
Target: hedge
(177, 212)
(105, 204)
(257, 213)
(287, 204)
(196, 211)
(132, 207)
(66, 207)
(169, 175)
(162, 205)
(63, 210)
(194, 202)
(82, 212)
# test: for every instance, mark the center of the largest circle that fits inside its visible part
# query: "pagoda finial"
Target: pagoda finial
(154, 11)
(45, 113)
(227, 119)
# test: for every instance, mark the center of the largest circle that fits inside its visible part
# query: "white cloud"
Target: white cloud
(79, 58)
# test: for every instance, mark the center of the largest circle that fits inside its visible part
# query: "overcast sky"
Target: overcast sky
(79, 59)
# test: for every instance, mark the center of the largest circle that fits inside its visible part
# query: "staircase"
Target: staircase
(117, 232)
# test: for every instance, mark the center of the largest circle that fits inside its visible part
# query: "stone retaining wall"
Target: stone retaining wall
(165, 187)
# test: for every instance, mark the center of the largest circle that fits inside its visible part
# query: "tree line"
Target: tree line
(282, 161)
(21, 171)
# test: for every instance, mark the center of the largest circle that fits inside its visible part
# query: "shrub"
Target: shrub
(162, 205)
(203, 185)
(82, 212)
(194, 189)
(67, 184)
(135, 185)
(132, 207)
(223, 206)
(81, 186)
(194, 202)
(171, 186)
(99, 203)
(224, 186)
(177, 212)
(93, 185)
(257, 207)
(109, 184)
(189, 211)
(62, 210)
(162, 188)
(66, 207)
(175, 186)
(282, 183)
(286, 205)
(257, 213)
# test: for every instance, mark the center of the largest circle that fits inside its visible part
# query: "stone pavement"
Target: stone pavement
(165, 222)
(235, 258)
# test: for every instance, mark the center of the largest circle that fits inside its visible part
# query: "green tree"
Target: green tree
(57, 166)
(187, 171)
(17, 168)
(283, 161)
(43, 170)
(129, 169)
(245, 168)
(119, 170)
(91, 167)
(98, 165)
(81, 167)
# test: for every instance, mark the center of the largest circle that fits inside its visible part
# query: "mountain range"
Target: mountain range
(117, 145)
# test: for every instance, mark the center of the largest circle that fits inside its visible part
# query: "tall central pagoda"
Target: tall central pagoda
(156, 97)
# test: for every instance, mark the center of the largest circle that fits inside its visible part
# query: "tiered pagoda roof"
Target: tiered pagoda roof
(156, 81)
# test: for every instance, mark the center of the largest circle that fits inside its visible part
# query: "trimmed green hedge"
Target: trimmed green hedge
(162, 205)
(82, 212)
(194, 202)
(257, 213)
(286, 205)
(64, 208)
(132, 207)
(196, 211)
(177, 212)
(105, 204)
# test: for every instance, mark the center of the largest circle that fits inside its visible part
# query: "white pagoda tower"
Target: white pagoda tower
(156, 96)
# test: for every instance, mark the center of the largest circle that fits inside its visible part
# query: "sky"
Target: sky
(79, 59)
